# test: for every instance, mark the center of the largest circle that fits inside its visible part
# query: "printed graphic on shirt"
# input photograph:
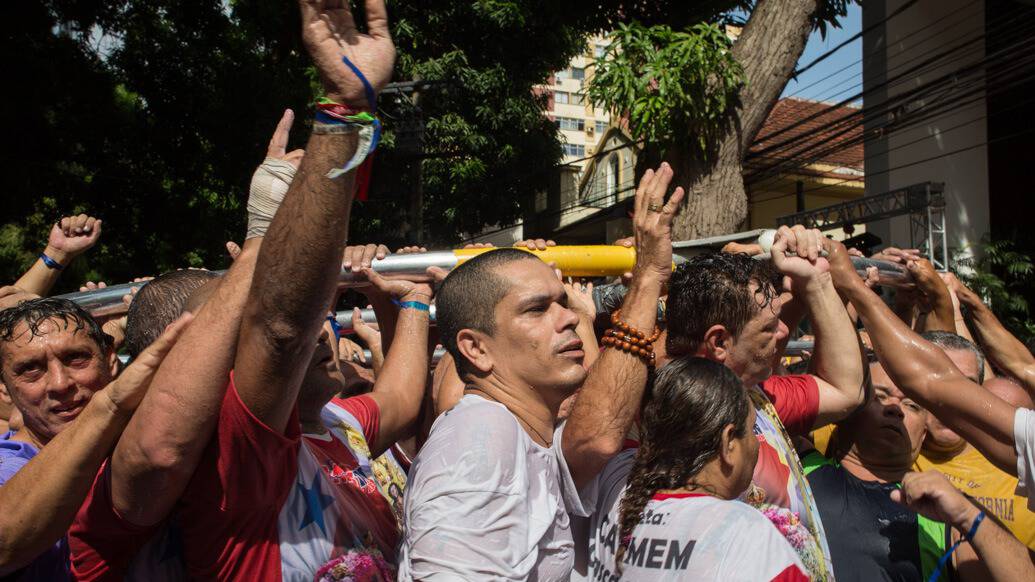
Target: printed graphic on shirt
(385, 470)
(779, 490)
(973, 474)
(691, 537)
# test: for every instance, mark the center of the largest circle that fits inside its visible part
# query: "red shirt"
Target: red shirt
(264, 505)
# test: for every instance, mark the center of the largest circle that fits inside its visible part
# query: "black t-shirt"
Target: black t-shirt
(870, 536)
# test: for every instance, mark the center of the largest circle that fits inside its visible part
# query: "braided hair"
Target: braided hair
(691, 402)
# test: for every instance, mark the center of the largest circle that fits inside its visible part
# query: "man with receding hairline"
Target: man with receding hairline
(158, 303)
(491, 490)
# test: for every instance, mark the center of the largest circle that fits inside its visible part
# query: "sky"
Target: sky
(827, 81)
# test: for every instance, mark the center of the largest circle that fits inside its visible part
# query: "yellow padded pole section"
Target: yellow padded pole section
(576, 260)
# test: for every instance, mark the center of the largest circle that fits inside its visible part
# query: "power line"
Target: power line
(933, 108)
(913, 163)
(931, 24)
(888, 83)
(854, 37)
(1014, 73)
(860, 117)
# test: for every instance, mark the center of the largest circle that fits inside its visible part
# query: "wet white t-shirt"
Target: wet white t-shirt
(485, 502)
(1024, 443)
(685, 536)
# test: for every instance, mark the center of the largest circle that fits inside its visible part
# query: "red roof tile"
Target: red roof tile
(831, 127)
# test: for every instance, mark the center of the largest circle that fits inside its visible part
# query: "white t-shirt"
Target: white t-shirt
(686, 536)
(1024, 443)
(485, 502)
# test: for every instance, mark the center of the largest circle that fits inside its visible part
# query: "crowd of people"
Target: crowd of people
(250, 438)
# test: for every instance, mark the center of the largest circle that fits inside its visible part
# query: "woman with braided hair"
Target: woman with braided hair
(667, 510)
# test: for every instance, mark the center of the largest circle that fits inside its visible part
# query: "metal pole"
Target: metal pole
(573, 261)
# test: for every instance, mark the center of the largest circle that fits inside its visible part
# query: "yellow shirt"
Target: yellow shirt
(821, 438)
(974, 475)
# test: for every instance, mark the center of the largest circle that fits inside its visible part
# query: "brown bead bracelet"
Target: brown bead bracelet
(627, 338)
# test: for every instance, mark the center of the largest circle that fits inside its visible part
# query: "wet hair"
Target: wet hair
(158, 303)
(951, 342)
(468, 297)
(37, 311)
(714, 289)
(692, 400)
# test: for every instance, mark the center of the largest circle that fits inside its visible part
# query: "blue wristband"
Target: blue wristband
(412, 305)
(973, 528)
(51, 263)
(948, 554)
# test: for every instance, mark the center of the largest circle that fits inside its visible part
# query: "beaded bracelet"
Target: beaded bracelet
(627, 338)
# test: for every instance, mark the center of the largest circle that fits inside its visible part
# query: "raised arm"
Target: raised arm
(954, 285)
(162, 445)
(40, 501)
(926, 374)
(1001, 347)
(69, 238)
(935, 298)
(399, 388)
(837, 362)
(299, 263)
(610, 398)
(1003, 558)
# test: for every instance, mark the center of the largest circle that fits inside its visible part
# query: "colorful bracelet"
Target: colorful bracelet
(369, 127)
(51, 263)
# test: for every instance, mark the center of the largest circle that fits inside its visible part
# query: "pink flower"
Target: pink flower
(356, 565)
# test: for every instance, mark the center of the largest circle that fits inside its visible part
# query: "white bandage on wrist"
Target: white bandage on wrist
(269, 185)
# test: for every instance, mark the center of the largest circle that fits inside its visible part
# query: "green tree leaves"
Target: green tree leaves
(673, 85)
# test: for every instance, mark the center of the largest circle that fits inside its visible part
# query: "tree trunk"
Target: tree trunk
(768, 49)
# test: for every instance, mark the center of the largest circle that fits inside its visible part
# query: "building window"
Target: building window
(570, 149)
(601, 126)
(599, 51)
(570, 123)
(576, 73)
(561, 97)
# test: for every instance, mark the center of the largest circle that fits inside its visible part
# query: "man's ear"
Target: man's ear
(473, 345)
(717, 343)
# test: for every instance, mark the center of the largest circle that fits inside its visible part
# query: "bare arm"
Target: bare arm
(1001, 347)
(69, 238)
(299, 264)
(926, 374)
(937, 299)
(1002, 556)
(610, 398)
(837, 362)
(164, 442)
(399, 389)
(41, 500)
(957, 312)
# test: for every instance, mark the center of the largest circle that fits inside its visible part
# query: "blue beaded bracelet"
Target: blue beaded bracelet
(49, 262)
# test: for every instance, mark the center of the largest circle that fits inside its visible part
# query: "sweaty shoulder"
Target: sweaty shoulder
(476, 441)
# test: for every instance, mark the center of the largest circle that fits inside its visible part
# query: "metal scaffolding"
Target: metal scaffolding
(923, 202)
